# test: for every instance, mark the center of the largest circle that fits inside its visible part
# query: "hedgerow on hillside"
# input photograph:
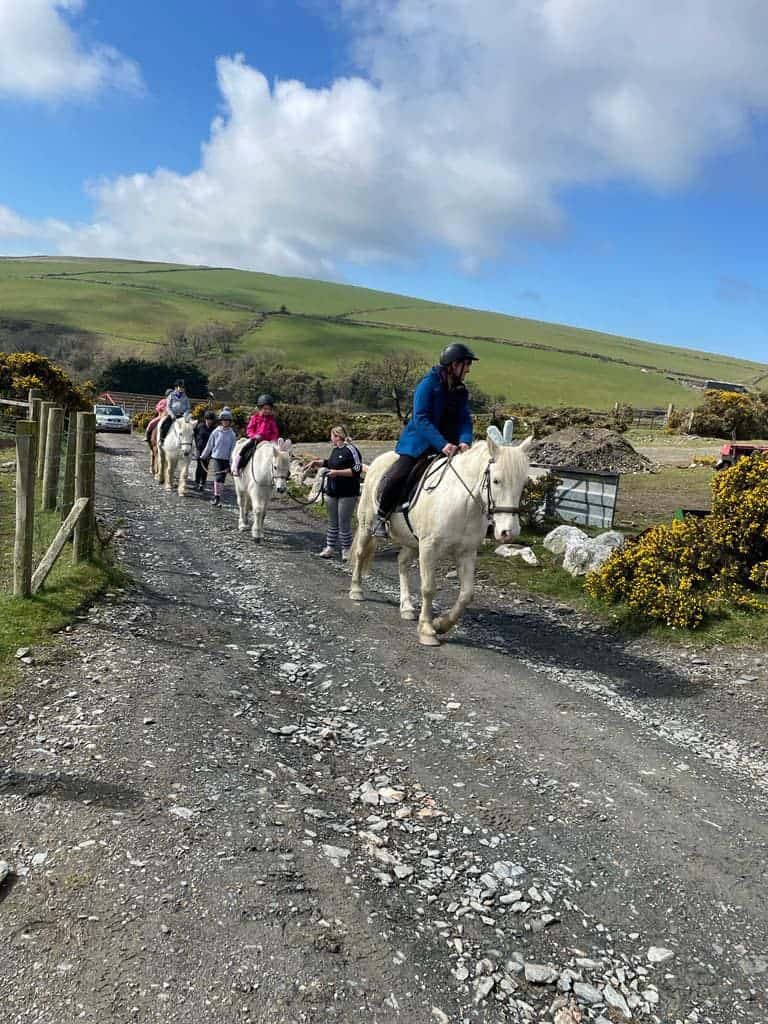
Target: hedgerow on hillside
(685, 572)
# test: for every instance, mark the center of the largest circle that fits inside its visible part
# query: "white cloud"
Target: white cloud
(42, 58)
(13, 226)
(463, 129)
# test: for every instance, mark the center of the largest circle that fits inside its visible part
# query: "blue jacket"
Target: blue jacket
(437, 411)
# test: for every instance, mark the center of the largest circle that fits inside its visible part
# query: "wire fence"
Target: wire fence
(47, 465)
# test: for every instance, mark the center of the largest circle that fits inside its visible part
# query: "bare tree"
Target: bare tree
(390, 379)
(175, 348)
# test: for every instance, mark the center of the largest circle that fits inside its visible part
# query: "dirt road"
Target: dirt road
(232, 795)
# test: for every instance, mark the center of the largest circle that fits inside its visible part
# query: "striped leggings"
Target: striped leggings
(339, 531)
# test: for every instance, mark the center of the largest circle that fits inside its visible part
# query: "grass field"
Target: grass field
(527, 376)
(131, 305)
(33, 621)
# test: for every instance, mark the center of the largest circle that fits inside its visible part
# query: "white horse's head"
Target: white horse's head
(181, 436)
(281, 464)
(507, 476)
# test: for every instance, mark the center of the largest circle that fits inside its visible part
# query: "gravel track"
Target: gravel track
(232, 795)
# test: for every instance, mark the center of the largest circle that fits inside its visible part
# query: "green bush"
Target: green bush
(687, 571)
(731, 415)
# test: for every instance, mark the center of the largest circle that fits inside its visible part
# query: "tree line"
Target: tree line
(383, 384)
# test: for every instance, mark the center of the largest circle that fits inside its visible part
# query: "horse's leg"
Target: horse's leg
(183, 474)
(407, 611)
(427, 566)
(363, 547)
(169, 467)
(259, 503)
(466, 567)
(241, 493)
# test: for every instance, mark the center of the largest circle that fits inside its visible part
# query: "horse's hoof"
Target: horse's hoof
(408, 614)
(242, 527)
(428, 640)
(441, 625)
(355, 595)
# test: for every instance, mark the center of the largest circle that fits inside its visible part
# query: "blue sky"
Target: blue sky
(567, 160)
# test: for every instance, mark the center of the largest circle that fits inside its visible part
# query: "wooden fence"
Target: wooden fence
(55, 470)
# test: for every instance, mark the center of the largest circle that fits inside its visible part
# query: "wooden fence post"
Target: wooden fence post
(85, 481)
(35, 399)
(25, 507)
(52, 458)
(68, 484)
(42, 436)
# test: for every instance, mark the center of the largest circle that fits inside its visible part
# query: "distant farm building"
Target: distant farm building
(724, 385)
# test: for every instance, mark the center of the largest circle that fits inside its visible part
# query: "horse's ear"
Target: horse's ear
(509, 430)
(526, 444)
(495, 440)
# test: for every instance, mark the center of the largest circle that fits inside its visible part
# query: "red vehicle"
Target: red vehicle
(732, 451)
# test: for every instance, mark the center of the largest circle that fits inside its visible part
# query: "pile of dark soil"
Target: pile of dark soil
(594, 449)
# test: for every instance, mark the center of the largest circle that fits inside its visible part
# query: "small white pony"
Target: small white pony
(448, 520)
(175, 452)
(268, 470)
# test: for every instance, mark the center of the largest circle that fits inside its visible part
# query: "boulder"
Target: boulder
(557, 540)
(582, 554)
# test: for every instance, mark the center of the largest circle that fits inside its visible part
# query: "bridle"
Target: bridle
(184, 446)
(285, 477)
(493, 508)
(489, 508)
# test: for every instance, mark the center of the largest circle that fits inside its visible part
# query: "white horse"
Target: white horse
(449, 519)
(268, 470)
(175, 452)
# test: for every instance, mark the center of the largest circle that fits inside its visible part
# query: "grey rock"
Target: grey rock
(540, 974)
(506, 869)
(5, 870)
(617, 1001)
(659, 955)
(587, 993)
(336, 854)
(483, 988)
(754, 964)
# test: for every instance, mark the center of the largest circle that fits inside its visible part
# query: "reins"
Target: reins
(274, 475)
(319, 497)
(485, 485)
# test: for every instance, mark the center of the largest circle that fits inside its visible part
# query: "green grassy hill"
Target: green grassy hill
(130, 305)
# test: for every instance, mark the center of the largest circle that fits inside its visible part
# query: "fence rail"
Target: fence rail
(54, 493)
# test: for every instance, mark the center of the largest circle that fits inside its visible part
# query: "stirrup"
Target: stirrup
(379, 527)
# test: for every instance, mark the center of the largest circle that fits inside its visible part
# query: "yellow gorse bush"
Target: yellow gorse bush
(684, 572)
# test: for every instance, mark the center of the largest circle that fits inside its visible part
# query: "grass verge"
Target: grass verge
(34, 621)
(735, 628)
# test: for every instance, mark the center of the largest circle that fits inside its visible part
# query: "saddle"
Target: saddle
(416, 480)
(246, 452)
(162, 428)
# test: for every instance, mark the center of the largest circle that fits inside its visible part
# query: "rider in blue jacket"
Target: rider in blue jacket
(441, 422)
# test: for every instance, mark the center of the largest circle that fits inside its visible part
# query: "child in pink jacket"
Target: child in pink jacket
(262, 426)
(160, 411)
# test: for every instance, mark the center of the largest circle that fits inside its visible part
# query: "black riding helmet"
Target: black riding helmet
(457, 352)
(209, 415)
(179, 383)
(265, 399)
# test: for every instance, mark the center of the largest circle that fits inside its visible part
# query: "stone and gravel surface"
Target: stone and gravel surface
(231, 795)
